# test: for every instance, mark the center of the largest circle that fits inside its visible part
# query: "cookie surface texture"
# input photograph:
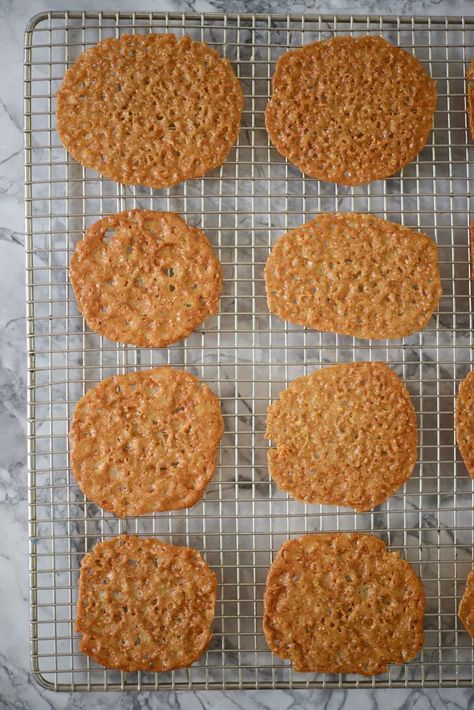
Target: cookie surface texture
(470, 97)
(350, 109)
(144, 604)
(342, 603)
(150, 110)
(344, 435)
(466, 607)
(354, 274)
(146, 441)
(145, 278)
(464, 421)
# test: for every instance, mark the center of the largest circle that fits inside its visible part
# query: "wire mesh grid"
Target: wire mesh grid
(246, 355)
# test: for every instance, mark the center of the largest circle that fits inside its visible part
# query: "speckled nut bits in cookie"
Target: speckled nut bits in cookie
(466, 607)
(145, 278)
(344, 435)
(150, 109)
(464, 421)
(145, 605)
(342, 603)
(350, 109)
(354, 274)
(146, 441)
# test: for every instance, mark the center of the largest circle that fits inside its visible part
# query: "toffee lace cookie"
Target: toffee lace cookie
(470, 97)
(146, 441)
(464, 421)
(150, 109)
(145, 278)
(350, 109)
(342, 603)
(354, 274)
(466, 606)
(344, 435)
(144, 604)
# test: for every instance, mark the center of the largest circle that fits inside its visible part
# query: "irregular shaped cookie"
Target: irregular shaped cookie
(470, 97)
(342, 603)
(150, 109)
(344, 435)
(145, 605)
(350, 109)
(146, 441)
(466, 606)
(145, 278)
(471, 247)
(354, 274)
(464, 421)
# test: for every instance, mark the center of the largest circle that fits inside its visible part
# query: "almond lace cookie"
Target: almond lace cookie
(146, 441)
(145, 278)
(470, 97)
(150, 109)
(471, 246)
(464, 421)
(145, 605)
(354, 274)
(466, 607)
(344, 435)
(350, 109)
(342, 603)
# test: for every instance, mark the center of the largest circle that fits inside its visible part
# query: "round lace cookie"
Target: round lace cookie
(145, 605)
(150, 109)
(354, 274)
(350, 109)
(466, 606)
(344, 435)
(342, 603)
(464, 421)
(146, 441)
(145, 278)
(470, 97)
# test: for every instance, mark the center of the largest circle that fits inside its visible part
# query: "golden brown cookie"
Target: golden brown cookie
(350, 109)
(342, 603)
(145, 278)
(471, 247)
(354, 274)
(466, 606)
(150, 109)
(464, 421)
(344, 435)
(145, 605)
(470, 97)
(146, 441)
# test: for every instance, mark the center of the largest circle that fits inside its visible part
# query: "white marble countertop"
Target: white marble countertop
(17, 688)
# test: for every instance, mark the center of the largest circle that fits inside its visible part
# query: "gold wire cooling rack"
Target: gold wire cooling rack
(245, 354)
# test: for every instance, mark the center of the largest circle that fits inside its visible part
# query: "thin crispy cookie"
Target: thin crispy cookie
(354, 274)
(146, 441)
(150, 109)
(344, 435)
(470, 97)
(350, 109)
(342, 603)
(464, 421)
(145, 605)
(145, 278)
(466, 606)
(471, 244)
